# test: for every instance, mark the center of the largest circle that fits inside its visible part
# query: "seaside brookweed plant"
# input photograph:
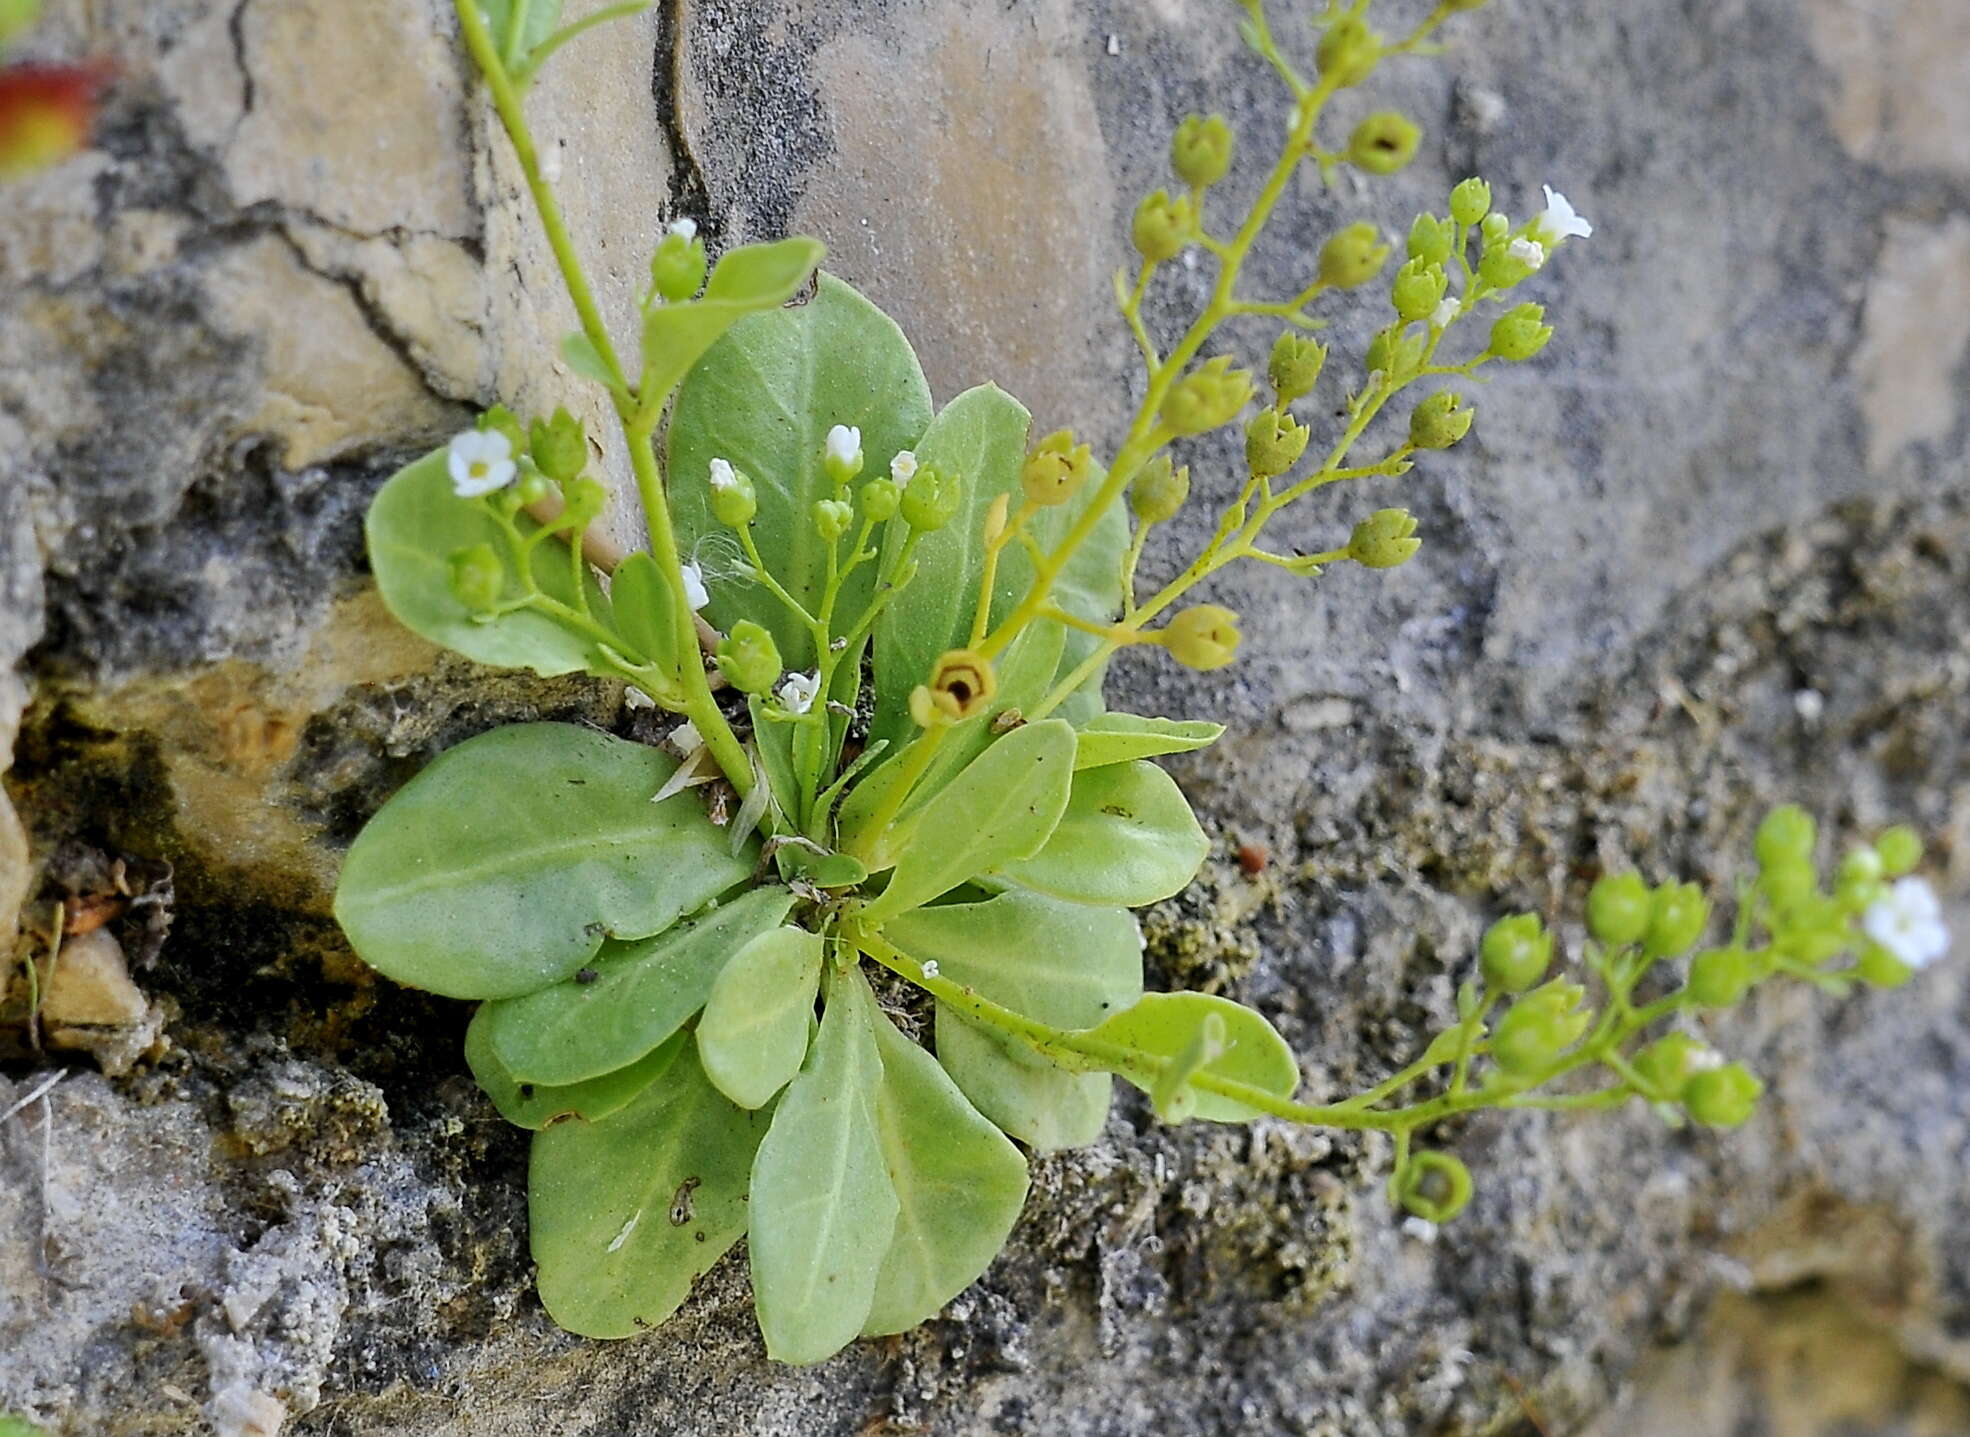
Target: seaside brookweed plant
(893, 690)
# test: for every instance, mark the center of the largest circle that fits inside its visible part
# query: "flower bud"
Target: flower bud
(1200, 151)
(1159, 490)
(841, 454)
(1879, 968)
(1470, 201)
(1722, 1097)
(1395, 355)
(1668, 1064)
(1430, 240)
(534, 487)
(559, 446)
(1295, 365)
(677, 268)
(1861, 866)
(1515, 953)
(1162, 226)
(879, 499)
(1435, 1186)
(1348, 51)
(1676, 919)
(749, 658)
(1787, 835)
(832, 518)
(733, 498)
(1384, 142)
(476, 577)
(1900, 849)
(1520, 332)
(586, 498)
(501, 420)
(1619, 907)
(1056, 469)
(1440, 421)
(1207, 397)
(1203, 636)
(1352, 257)
(1791, 886)
(1384, 539)
(1273, 443)
(962, 685)
(1505, 265)
(1719, 977)
(1539, 1027)
(931, 499)
(1418, 289)
(1495, 228)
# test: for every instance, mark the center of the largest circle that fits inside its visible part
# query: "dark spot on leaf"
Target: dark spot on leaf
(526, 1090)
(586, 975)
(1115, 810)
(680, 1206)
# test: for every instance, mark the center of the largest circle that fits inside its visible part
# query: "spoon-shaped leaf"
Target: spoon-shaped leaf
(536, 1105)
(959, 1187)
(628, 1212)
(823, 1207)
(1000, 809)
(753, 1034)
(502, 866)
(641, 993)
(1128, 837)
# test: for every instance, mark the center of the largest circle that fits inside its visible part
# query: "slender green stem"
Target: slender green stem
(638, 428)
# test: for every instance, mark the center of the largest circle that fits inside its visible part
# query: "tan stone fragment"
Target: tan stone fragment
(91, 985)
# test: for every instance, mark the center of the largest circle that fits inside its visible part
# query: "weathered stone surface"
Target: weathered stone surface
(1708, 552)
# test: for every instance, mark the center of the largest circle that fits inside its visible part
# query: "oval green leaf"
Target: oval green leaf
(642, 993)
(628, 1212)
(745, 281)
(981, 437)
(503, 865)
(536, 1105)
(753, 1035)
(764, 398)
(1037, 1101)
(416, 523)
(823, 1207)
(1068, 965)
(645, 609)
(1168, 1025)
(1000, 809)
(1128, 837)
(959, 1187)
(1119, 738)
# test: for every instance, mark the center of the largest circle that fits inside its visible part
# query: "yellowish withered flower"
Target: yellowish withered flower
(1056, 469)
(1203, 636)
(962, 685)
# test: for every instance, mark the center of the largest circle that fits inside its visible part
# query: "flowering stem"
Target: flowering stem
(638, 429)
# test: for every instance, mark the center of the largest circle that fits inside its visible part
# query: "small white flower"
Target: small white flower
(930, 969)
(1528, 252)
(1908, 922)
(1559, 220)
(903, 468)
(1702, 1060)
(687, 229)
(481, 460)
(722, 475)
(797, 694)
(695, 593)
(1446, 312)
(845, 445)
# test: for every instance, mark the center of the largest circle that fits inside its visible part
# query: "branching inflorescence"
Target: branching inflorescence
(894, 752)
